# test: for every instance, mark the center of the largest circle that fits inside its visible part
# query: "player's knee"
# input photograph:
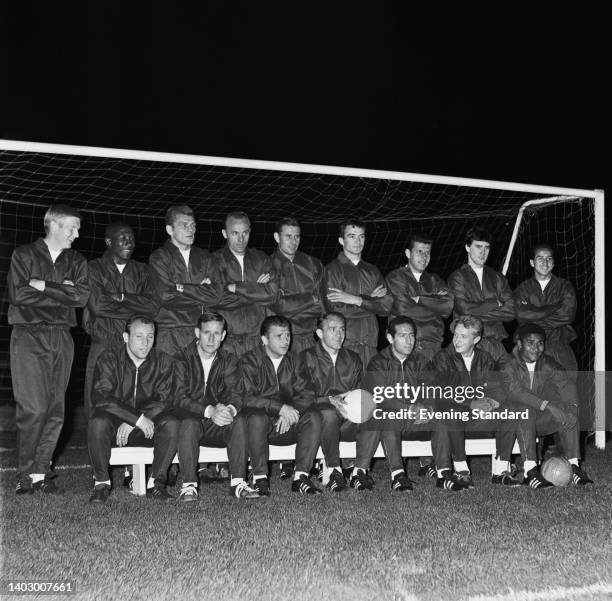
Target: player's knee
(168, 424)
(329, 417)
(190, 427)
(98, 425)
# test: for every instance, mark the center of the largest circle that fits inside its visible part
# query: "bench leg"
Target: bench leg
(139, 479)
(326, 472)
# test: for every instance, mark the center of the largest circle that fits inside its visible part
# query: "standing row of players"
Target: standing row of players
(47, 280)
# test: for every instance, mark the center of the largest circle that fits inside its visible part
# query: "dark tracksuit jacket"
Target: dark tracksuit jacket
(554, 310)
(261, 394)
(551, 383)
(301, 294)
(245, 309)
(41, 345)
(360, 280)
(435, 303)
(180, 310)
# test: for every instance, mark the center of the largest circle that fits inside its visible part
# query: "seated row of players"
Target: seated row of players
(273, 396)
(47, 280)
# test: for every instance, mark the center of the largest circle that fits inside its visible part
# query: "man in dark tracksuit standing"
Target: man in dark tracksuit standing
(357, 289)
(482, 292)
(330, 372)
(249, 285)
(278, 406)
(186, 281)
(132, 400)
(300, 280)
(205, 378)
(46, 281)
(120, 288)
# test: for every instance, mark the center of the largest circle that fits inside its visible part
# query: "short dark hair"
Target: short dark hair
(477, 233)
(236, 216)
(288, 221)
(139, 319)
(542, 246)
(469, 322)
(112, 228)
(57, 212)
(419, 237)
(351, 223)
(274, 320)
(175, 211)
(325, 316)
(398, 321)
(211, 316)
(529, 328)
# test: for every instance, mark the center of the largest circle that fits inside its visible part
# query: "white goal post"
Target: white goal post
(558, 194)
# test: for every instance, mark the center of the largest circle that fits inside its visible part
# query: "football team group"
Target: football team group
(241, 350)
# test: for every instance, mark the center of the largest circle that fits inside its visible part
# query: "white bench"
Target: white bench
(139, 457)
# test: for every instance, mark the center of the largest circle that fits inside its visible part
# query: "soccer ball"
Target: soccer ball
(358, 406)
(557, 470)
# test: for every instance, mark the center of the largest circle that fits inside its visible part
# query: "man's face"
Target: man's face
(478, 252)
(543, 263)
(64, 231)
(237, 233)
(353, 240)
(465, 339)
(332, 333)
(419, 256)
(531, 347)
(403, 340)
(210, 335)
(140, 339)
(121, 244)
(288, 240)
(277, 341)
(182, 231)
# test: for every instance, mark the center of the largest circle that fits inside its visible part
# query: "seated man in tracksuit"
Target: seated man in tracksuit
(331, 371)
(471, 397)
(205, 376)
(534, 381)
(132, 400)
(278, 406)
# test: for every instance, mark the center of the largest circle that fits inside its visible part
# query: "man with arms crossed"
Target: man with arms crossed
(357, 289)
(482, 292)
(46, 281)
(278, 406)
(120, 288)
(205, 377)
(132, 400)
(534, 381)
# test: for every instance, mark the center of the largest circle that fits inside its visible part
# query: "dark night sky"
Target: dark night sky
(507, 96)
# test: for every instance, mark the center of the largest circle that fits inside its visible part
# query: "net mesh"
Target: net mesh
(107, 189)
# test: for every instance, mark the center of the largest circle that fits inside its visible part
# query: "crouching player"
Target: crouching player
(278, 406)
(205, 377)
(537, 383)
(331, 371)
(393, 367)
(469, 401)
(132, 400)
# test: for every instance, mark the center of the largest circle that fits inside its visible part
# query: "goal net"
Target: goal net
(112, 184)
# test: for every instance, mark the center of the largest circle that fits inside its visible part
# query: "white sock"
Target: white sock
(297, 475)
(528, 465)
(236, 481)
(461, 466)
(260, 477)
(186, 484)
(338, 469)
(442, 470)
(37, 477)
(151, 482)
(107, 482)
(499, 466)
(395, 473)
(574, 461)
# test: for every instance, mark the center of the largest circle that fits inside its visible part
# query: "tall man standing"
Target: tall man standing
(300, 279)
(186, 281)
(482, 292)
(357, 289)
(46, 281)
(120, 288)
(249, 285)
